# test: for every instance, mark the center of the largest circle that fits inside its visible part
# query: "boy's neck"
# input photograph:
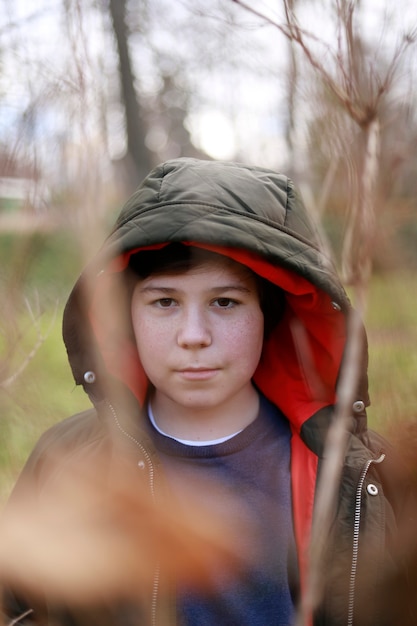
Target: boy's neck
(205, 423)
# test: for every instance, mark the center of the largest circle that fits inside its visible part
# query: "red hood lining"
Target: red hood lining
(300, 361)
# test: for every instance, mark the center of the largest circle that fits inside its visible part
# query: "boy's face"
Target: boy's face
(199, 336)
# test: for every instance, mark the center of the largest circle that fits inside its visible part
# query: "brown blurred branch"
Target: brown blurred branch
(326, 498)
(18, 620)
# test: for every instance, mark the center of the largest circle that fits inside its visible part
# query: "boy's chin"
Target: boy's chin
(197, 401)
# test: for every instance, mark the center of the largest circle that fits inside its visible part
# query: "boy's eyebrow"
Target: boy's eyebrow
(218, 289)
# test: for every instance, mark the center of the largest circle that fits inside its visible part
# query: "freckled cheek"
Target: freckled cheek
(151, 338)
(245, 339)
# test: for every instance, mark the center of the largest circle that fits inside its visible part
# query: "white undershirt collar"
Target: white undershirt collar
(187, 442)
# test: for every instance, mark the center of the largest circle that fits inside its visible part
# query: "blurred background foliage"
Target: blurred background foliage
(95, 93)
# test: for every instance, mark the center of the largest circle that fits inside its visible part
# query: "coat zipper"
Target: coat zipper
(356, 529)
(151, 474)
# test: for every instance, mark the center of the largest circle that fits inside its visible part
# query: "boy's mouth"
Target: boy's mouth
(198, 373)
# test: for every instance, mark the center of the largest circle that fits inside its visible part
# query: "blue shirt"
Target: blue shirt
(244, 483)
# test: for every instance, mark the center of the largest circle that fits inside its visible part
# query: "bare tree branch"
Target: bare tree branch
(348, 94)
(19, 619)
(357, 245)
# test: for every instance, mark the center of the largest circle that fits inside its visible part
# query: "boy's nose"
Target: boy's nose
(194, 330)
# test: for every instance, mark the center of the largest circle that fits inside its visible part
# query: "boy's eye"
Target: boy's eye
(165, 303)
(225, 303)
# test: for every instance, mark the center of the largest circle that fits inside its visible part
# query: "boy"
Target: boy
(209, 334)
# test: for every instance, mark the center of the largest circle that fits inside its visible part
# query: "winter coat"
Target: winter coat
(255, 217)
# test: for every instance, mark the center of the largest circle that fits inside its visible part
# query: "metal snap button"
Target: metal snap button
(358, 406)
(372, 489)
(90, 377)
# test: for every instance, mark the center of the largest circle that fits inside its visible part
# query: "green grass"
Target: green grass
(37, 269)
(391, 322)
(42, 395)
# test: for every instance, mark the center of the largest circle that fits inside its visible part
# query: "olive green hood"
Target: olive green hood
(254, 216)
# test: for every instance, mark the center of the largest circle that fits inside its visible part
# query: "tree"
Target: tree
(139, 157)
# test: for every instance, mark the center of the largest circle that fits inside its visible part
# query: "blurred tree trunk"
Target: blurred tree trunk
(139, 157)
(292, 87)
